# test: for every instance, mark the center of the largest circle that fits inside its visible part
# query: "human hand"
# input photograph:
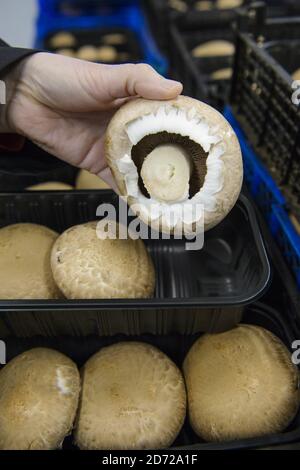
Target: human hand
(64, 105)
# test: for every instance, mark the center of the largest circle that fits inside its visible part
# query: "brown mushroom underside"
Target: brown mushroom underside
(197, 155)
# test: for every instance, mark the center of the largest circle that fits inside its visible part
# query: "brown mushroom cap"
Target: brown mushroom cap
(88, 52)
(25, 251)
(222, 74)
(296, 74)
(87, 267)
(133, 397)
(114, 39)
(87, 180)
(240, 384)
(39, 391)
(214, 48)
(63, 39)
(50, 186)
(178, 5)
(107, 54)
(226, 4)
(118, 144)
(204, 5)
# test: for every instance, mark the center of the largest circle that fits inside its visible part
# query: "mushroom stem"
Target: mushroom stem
(166, 173)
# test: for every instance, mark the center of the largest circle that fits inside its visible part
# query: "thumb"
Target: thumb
(142, 80)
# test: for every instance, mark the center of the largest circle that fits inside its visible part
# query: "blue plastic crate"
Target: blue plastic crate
(131, 17)
(287, 239)
(269, 199)
(54, 7)
(260, 183)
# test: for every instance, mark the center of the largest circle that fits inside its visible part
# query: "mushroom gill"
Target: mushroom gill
(171, 167)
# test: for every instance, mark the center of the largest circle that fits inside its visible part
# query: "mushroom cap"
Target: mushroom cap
(87, 180)
(222, 74)
(88, 52)
(178, 5)
(50, 186)
(296, 74)
(39, 391)
(63, 39)
(226, 4)
(133, 397)
(240, 384)
(213, 48)
(114, 39)
(25, 251)
(87, 267)
(118, 144)
(107, 53)
(204, 5)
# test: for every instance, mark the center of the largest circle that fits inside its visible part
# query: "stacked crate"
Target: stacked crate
(267, 118)
(96, 15)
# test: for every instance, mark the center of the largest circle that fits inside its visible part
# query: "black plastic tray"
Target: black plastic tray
(30, 166)
(93, 36)
(176, 347)
(201, 290)
(261, 98)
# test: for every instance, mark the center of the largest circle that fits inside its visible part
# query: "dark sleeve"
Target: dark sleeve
(10, 56)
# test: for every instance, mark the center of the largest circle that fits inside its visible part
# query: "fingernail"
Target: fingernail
(166, 83)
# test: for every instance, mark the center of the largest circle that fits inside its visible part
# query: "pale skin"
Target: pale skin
(64, 105)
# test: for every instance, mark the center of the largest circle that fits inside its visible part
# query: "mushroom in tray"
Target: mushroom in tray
(114, 39)
(227, 4)
(107, 54)
(222, 74)
(87, 180)
(87, 264)
(240, 384)
(133, 397)
(39, 392)
(296, 74)
(215, 48)
(63, 39)
(88, 52)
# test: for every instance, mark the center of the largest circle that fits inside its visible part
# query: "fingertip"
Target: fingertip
(106, 175)
(172, 88)
(161, 89)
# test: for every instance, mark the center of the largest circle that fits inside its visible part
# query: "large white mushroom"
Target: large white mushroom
(171, 157)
